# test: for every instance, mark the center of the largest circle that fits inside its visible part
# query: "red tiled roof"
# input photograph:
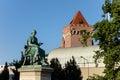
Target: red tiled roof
(79, 19)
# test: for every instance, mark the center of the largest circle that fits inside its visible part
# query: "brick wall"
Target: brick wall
(72, 36)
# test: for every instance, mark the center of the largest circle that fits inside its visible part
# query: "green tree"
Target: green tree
(108, 34)
(72, 71)
(5, 73)
(17, 64)
(57, 69)
(85, 35)
(106, 7)
(21, 61)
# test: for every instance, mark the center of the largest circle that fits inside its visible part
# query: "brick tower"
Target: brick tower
(71, 32)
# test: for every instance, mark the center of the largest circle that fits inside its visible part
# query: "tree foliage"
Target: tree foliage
(108, 34)
(57, 73)
(85, 35)
(5, 73)
(106, 7)
(17, 64)
(70, 72)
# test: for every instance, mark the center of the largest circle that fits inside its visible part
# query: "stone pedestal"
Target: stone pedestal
(35, 73)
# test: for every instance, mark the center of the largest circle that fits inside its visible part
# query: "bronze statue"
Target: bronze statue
(33, 54)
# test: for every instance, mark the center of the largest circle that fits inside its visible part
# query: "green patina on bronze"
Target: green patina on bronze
(33, 54)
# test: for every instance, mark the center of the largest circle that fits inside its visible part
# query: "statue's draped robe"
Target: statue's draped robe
(33, 50)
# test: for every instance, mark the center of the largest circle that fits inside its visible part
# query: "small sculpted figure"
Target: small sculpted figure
(33, 54)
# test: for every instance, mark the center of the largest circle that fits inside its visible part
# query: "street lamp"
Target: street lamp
(87, 63)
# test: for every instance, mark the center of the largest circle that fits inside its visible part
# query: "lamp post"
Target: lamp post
(87, 63)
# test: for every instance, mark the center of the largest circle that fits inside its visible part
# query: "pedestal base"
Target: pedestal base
(35, 73)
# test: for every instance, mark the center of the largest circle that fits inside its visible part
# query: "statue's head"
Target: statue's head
(33, 32)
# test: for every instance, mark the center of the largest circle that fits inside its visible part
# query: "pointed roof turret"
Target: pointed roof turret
(79, 19)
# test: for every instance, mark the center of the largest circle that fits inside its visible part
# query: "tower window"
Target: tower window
(74, 32)
(78, 32)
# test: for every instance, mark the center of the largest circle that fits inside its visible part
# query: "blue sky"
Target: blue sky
(19, 17)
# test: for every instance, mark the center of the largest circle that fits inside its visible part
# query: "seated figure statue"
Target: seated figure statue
(33, 53)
